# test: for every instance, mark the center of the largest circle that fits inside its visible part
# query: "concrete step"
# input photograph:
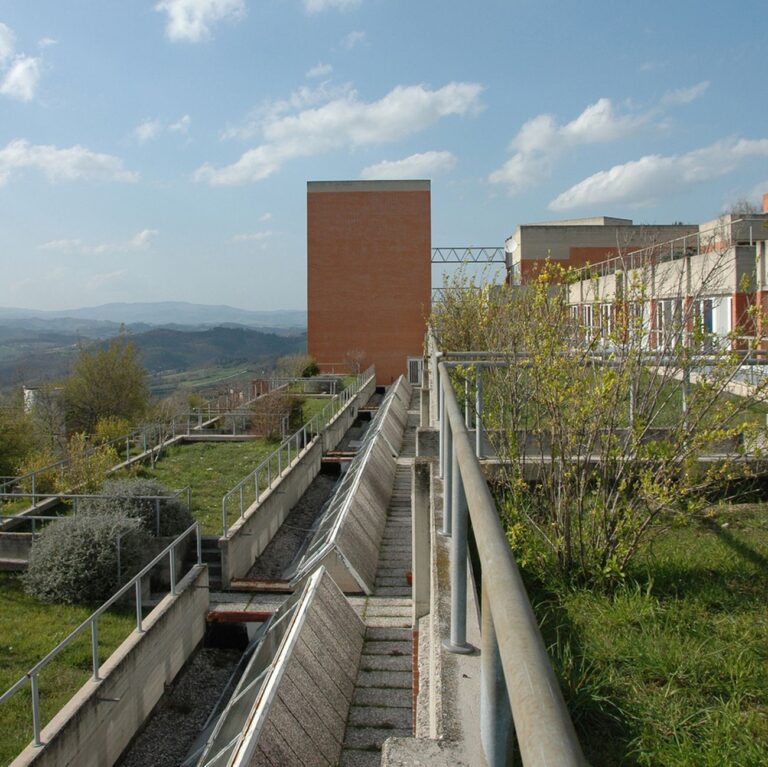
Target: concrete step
(385, 662)
(398, 697)
(353, 757)
(385, 679)
(384, 647)
(380, 716)
(388, 634)
(370, 738)
(393, 591)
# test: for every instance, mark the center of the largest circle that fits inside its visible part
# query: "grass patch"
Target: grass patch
(28, 630)
(210, 469)
(672, 668)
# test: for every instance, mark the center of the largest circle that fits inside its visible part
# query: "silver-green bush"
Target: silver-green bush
(125, 497)
(75, 559)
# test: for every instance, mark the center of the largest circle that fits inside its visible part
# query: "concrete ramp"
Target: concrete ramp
(291, 704)
(348, 534)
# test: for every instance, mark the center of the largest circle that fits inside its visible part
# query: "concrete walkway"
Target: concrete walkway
(382, 704)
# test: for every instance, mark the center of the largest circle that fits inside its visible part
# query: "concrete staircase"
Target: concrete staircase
(382, 703)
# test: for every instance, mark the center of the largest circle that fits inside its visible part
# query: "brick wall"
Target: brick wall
(368, 273)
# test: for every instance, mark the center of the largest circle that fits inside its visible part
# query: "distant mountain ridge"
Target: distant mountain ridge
(167, 312)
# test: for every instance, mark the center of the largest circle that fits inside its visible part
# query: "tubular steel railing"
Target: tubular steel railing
(249, 490)
(517, 677)
(91, 623)
(75, 498)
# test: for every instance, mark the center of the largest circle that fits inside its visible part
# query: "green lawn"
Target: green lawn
(210, 469)
(29, 630)
(672, 669)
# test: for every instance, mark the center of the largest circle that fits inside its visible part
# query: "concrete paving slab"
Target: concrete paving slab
(380, 716)
(399, 697)
(389, 621)
(388, 634)
(373, 647)
(372, 737)
(394, 591)
(385, 679)
(353, 757)
(386, 663)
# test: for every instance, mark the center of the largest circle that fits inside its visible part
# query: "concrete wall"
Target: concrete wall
(94, 728)
(312, 682)
(369, 273)
(249, 536)
(14, 550)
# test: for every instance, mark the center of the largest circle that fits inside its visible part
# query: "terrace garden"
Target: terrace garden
(28, 630)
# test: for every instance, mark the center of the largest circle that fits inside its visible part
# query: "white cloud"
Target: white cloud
(191, 20)
(319, 70)
(46, 42)
(181, 125)
(348, 42)
(271, 111)
(318, 6)
(255, 237)
(651, 177)
(75, 163)
(140, 241)
(147, 130)
(265, 217)
(345, 122)
(21, 78)
(7, 43)
(541, 140)
(152, 128)
(424, 165)
(685, 95)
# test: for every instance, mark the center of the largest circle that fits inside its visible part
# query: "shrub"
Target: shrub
(75, 558)
(87, 466)
(125, 499)
(312, 369)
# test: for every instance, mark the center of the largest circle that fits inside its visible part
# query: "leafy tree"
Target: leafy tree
(105, 381)
(88, 465)
(614, 424)
(16, 440)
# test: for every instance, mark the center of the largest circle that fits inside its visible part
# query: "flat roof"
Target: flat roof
(410, 185)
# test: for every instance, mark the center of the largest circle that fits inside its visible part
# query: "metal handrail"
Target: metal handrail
(545, 732)
(42, 497)
(91, 621)
(289, 451)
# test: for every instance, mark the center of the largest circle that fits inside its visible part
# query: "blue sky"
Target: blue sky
(159, 150)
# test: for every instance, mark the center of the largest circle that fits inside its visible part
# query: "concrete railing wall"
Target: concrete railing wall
(98, 723)
(249, 536)
(351, 551)
(312, 682)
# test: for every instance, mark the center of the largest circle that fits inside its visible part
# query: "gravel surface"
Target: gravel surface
(179, 716)
(288, 539)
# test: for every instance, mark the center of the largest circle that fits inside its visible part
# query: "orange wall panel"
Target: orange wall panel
(368, 273)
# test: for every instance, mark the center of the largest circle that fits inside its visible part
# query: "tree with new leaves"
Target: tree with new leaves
(106, 381)
(601, 427)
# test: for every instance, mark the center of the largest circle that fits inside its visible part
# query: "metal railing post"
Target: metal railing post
(448, 480)
(199, 543)
(35, 685)
(458, 641)
(495, 712)
(224, 515)
(479, 411)
(172, 565)
(95, 648)
(137, 590)
(442, 426)
(157, 516)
